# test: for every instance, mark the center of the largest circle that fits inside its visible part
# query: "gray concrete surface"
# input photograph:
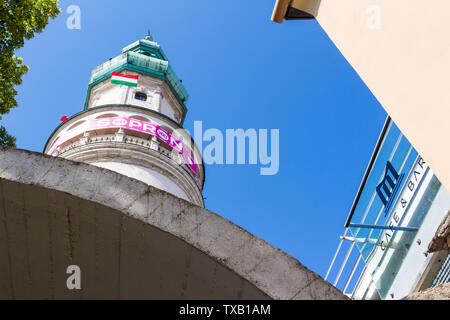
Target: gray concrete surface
(130, 240)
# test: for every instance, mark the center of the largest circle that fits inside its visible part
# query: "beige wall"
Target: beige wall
(401, 50)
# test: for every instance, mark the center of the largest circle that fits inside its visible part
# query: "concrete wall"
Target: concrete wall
(130, 240)
(401, 51)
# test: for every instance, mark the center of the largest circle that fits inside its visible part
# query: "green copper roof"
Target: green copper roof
(146, 46)
(145, 57)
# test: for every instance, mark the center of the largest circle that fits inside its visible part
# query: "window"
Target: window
(149, 54)
(139, 118)
(107, 115)
(140, 96)
(76, 125)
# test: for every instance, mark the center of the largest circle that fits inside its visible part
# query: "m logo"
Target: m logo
(389, 186)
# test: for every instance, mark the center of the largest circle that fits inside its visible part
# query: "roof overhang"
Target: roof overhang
(295, 10)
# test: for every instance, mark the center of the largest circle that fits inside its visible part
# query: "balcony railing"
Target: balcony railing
(150, 145)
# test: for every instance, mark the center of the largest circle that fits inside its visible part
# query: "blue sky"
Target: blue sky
(241, 71)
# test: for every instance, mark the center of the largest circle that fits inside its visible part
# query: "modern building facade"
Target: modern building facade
(136, 129)
(384, 252)
(396, 48)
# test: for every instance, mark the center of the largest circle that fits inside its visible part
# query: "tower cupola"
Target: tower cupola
(158, 87)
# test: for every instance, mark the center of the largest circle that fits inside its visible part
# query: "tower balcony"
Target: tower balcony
(124, 141)
(136, 142)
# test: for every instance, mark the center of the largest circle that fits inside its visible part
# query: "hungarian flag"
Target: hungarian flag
(125, 79)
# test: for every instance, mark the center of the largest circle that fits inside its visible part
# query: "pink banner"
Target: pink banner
(139, 126)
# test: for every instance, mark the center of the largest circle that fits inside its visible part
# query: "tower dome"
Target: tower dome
(132, 123)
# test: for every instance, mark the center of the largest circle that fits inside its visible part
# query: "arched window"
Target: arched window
(140, 96)
(139, 118)
(107, 115)
(76, 125)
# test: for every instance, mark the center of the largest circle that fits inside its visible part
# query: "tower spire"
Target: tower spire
(149, 36)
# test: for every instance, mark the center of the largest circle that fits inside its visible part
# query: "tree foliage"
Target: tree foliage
(20, 20)
(6, 139)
